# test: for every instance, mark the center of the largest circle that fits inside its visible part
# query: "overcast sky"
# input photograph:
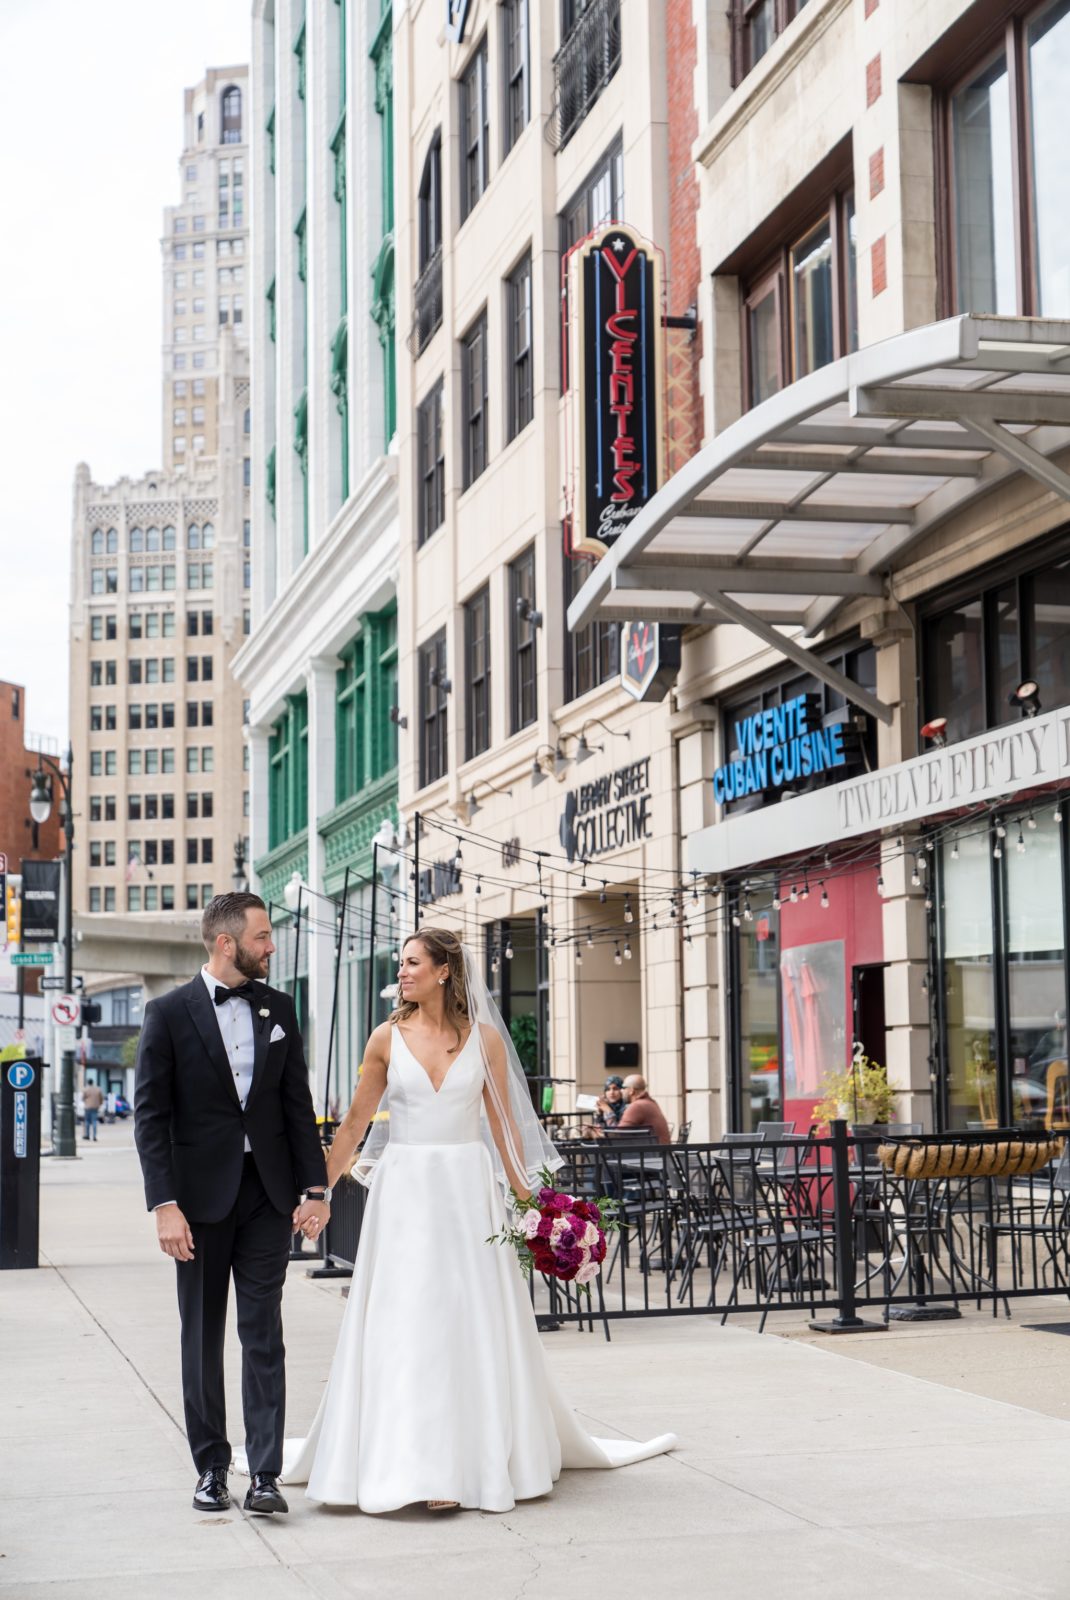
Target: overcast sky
(91, 130)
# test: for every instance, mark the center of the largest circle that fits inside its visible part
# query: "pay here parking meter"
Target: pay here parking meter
(20, 1161)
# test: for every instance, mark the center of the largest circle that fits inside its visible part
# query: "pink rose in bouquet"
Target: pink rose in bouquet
(559, 1235)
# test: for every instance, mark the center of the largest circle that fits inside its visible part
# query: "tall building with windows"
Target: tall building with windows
(870, 555)
(545, 791)
(320, 664)
(161, 579)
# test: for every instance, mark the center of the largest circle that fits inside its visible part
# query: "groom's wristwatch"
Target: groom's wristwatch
(319, 1194)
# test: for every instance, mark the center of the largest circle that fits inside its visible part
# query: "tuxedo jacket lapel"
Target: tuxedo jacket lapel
(262, 1027)
(202, 1010)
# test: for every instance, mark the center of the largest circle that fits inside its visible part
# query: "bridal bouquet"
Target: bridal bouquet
(560, 1236)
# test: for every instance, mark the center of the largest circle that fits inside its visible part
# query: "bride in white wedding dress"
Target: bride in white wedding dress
(440, 1390)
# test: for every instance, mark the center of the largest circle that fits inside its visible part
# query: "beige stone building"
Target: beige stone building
(515, 140)
(870, 556)
(160, 582)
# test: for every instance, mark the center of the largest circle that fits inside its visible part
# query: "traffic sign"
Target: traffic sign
(20, 1074)
(65, 1011)
(32, 958)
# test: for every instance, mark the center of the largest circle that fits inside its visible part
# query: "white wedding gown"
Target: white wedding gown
(440, 1389)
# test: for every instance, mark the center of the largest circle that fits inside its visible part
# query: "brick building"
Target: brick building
(19, 836)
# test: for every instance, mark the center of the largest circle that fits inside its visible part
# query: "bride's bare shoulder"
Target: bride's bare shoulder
(379, 1041)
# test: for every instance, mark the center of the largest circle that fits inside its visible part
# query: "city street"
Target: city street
(798, 1470)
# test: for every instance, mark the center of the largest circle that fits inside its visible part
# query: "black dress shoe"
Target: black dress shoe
(263, 1494)
(211, 1493)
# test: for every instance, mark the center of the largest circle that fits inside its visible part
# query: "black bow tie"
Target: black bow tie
(244, 991)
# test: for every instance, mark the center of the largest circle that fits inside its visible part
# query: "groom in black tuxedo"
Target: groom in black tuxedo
(232, 1163)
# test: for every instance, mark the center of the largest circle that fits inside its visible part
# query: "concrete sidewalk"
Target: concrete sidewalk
(799, 1472)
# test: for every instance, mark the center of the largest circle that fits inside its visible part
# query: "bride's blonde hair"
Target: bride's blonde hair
(444, 948)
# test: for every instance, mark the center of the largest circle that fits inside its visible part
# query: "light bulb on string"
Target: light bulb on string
(1019, 843)
(805, 892)
(628, 914)
(583, 875)
(997, 853)
(627, 950)
(735, 919)
(1031, 822)
(930, 843)
(1001, 830)
(617, 957)
(928, 902)
(794, 895)
(748, 914)
(694, 888)
(508, 949)
(776, 902)
(880, 883)
(1057, 814)
(579, 956)
(955, 848)
(602, 896)
(824, 898)
(915, 876)
(479, 886)
(828, 862)
(590, 938)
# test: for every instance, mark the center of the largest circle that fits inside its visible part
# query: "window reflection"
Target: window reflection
(1050, 664)
(1049, 80)
(956, 670)
(811, 284)
(759, 1051)
(969, 996)
(764, 348)
(984, 202)
(1036, 978)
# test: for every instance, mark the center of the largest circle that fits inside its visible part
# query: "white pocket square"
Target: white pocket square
(277, 1033)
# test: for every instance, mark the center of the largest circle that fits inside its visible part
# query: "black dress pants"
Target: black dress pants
(252, 1243)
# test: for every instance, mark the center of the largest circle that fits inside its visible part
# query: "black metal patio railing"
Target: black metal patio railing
(811, 1225)
(587, 60)
(427, 305)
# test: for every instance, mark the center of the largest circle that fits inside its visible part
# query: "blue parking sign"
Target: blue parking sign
(20, 1074)
(22, 1116)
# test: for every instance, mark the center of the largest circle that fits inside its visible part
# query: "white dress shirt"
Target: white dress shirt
(235, 1019)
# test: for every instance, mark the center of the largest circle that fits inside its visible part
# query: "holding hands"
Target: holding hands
(311, 1217)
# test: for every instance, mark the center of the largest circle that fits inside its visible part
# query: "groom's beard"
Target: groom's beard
(250, 965)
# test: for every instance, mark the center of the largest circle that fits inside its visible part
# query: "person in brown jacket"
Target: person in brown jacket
(642, 1112)
(92, 1100)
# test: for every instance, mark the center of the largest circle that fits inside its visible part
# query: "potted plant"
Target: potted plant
(523, 1030)
(859, 1094)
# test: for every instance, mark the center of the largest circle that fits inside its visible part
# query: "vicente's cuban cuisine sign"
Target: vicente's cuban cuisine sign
(616, 371)
(991, 766)
(780, 746)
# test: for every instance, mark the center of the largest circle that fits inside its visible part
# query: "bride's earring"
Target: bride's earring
(441, 980)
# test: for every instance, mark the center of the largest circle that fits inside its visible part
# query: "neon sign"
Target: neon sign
(782, 746)
(616, 384)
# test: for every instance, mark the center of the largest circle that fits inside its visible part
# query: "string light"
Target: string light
(794, 895)
(824, 898)
(590, 938)
(1001, 830)
(776, 902)
(735, 919)
(1031, 822)
(1019, 843)
(628, 915)
(748, 914)
(880, 883)
(627, 950)
(955, 847)
(617, 957)
(509, 949)
(1057, 814)
(915, 876)
(579, 956)
(602, 896)
(998, 851)
(694, 888)
(479, 887)
(805, 895)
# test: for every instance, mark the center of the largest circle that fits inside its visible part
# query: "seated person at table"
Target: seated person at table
(641, 1111)
(611, 1104)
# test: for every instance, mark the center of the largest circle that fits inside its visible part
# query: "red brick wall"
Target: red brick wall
(16, 834)
(683, 402)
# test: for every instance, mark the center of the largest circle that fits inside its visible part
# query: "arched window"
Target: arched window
(208, 537)
(137, 541)
(152, 538)
(169, 538)
(113, 542)
(430, 202)
(97, 545)
(193, 537)
(231, 116)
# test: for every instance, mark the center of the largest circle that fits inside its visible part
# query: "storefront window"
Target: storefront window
(969, 991)
(980, 648)
(813, 979)
(759, 1048)
(1036, 978)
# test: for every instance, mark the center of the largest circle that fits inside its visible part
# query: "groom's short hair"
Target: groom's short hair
(225, 913)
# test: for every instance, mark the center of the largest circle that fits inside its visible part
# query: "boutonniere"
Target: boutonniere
(263, 1014)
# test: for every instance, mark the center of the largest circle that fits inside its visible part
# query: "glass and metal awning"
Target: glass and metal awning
(820, 493)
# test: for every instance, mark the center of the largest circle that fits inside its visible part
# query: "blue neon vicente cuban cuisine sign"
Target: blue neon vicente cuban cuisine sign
(778, 747)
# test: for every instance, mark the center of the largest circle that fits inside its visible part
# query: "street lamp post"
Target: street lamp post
(239, 877)
(63, 1143)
